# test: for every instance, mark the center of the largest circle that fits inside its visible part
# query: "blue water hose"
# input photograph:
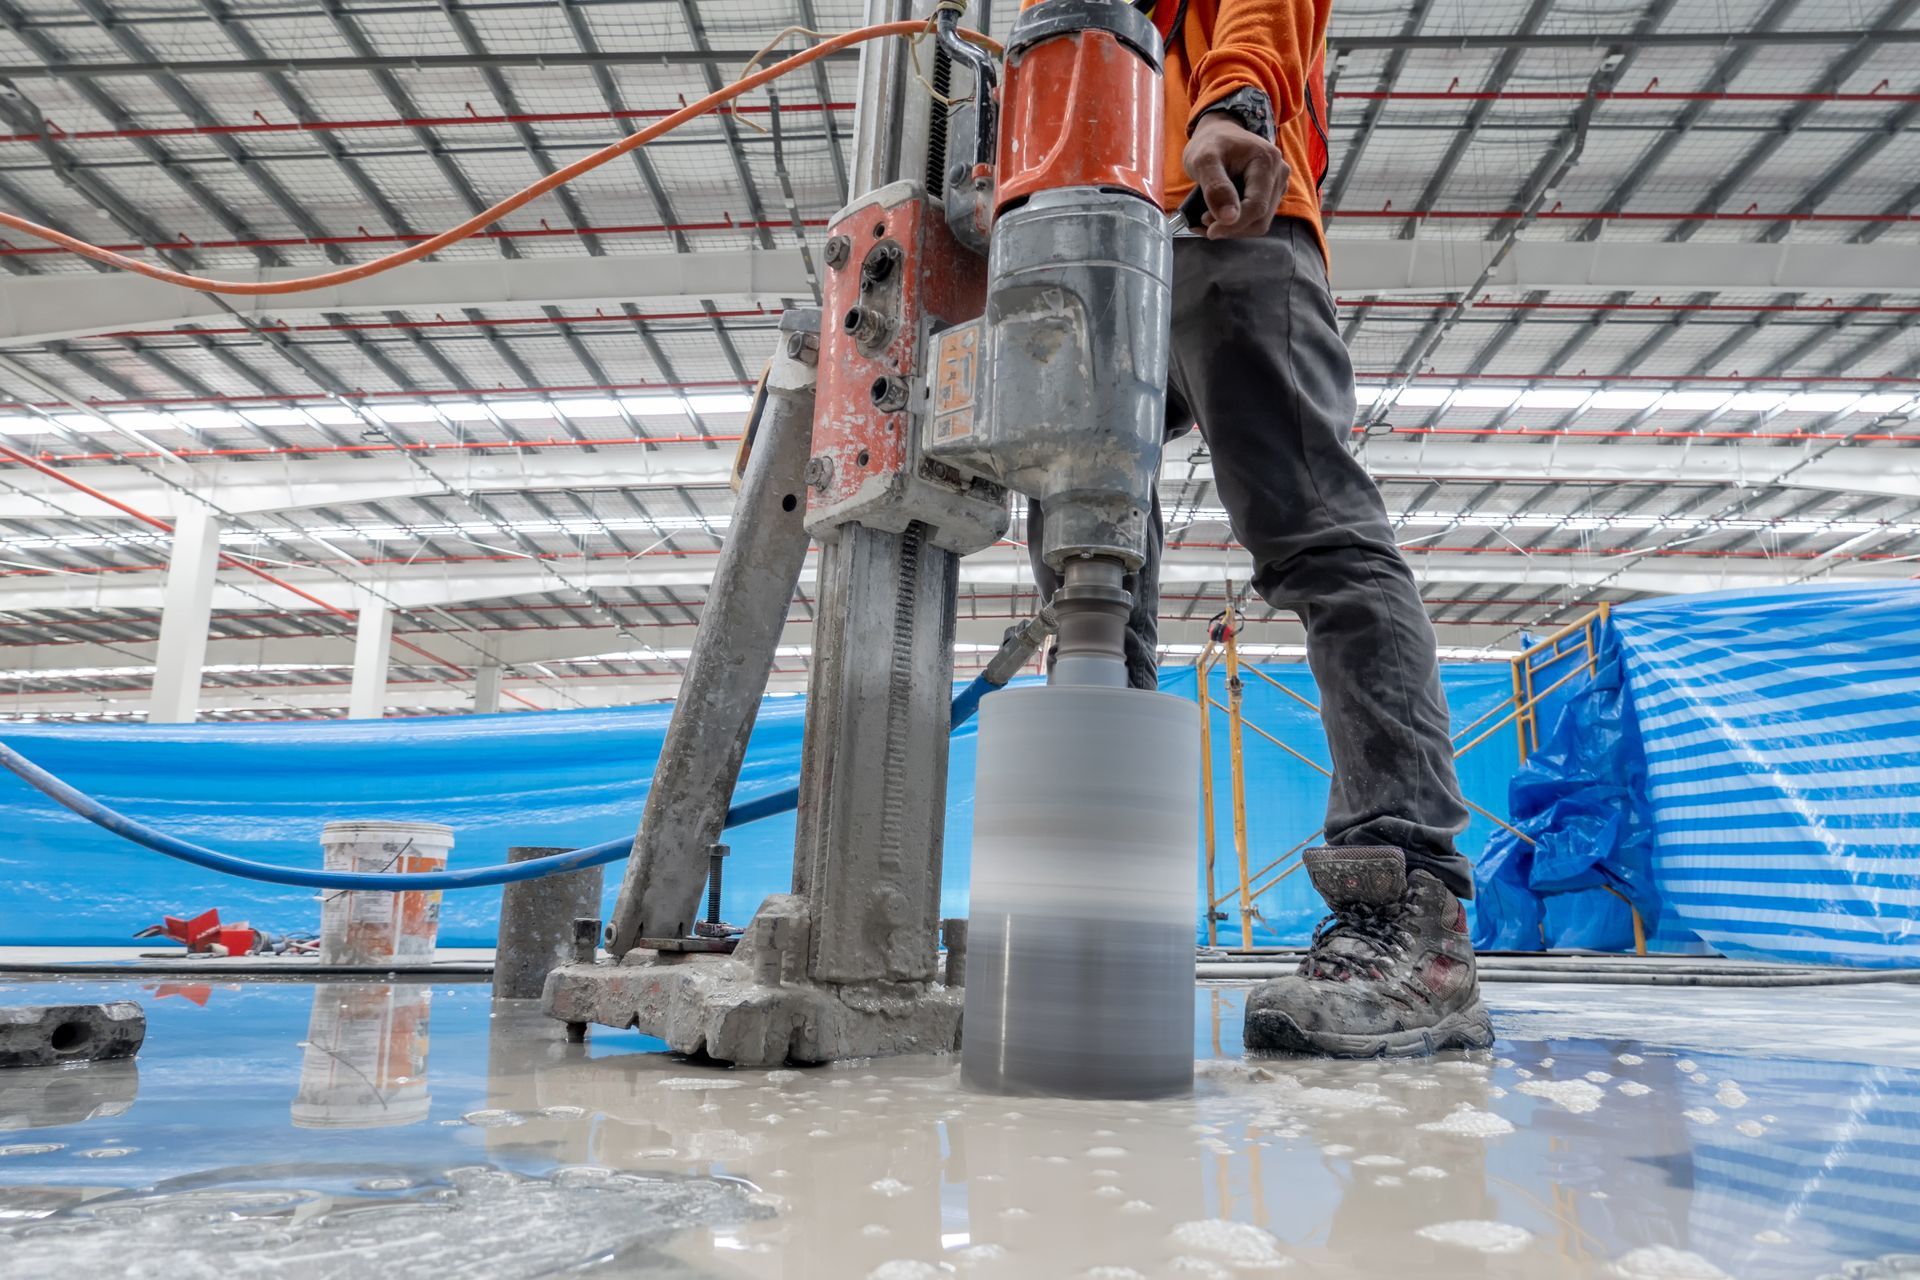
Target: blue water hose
(477, 878)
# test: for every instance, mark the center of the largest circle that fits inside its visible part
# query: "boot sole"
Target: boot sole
(1272, 1032)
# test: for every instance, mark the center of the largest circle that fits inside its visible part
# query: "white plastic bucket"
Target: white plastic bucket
(380, 928)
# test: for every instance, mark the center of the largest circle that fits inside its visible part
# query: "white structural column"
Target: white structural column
(372, 643)
(486, 688)
(186, 610)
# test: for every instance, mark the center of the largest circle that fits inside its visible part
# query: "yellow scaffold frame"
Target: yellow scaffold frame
(1533, 666)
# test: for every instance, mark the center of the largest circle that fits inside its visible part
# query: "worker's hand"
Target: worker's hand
(1220, 151)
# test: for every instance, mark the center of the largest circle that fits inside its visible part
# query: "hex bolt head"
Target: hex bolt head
(819, 472)
(879, 265)
(889, 394)
(839, 249)
(803, 347)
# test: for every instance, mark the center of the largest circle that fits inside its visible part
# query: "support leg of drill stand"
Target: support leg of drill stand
(733, 654)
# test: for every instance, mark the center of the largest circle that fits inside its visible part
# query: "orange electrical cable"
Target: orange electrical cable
(524, 196)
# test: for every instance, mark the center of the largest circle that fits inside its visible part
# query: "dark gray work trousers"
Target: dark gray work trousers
(1257, 358)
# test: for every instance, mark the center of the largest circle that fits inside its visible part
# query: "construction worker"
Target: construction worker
(1258, 361)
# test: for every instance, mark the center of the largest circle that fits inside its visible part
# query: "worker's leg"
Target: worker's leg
(1258, 355)
(1143, 624)
(1257, 350)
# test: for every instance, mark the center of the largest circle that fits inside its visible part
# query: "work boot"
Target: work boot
(1390, 973)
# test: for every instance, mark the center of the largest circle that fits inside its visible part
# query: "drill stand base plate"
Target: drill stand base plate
(712, 1005)
(710, 946)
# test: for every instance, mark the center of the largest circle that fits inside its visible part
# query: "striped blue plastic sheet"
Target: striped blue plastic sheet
(1781, 734)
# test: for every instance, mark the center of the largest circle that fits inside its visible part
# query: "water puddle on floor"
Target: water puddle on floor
(400, 1130)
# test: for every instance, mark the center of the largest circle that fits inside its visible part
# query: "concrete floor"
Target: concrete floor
(392, 1130)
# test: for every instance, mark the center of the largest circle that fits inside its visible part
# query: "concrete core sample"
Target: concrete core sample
(47, 1034)
(1080, 964)
(536, 924)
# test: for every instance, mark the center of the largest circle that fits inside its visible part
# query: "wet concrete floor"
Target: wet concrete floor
(396, 1130)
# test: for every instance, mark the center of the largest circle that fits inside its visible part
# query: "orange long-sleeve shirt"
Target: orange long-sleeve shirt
(1276, 46)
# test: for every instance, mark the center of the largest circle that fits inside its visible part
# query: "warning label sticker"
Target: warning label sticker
(955, 373)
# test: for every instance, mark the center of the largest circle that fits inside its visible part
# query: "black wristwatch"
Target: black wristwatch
(1247, 107)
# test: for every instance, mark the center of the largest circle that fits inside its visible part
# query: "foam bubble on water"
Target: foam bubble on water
(1496, 1092)
(1633, 1088)
(1686, 1066)
(1597, 1195)
(1111, 1273)
(1523, 1073)
(1427, 1172)
(819, 1133)
(32, 1148)
(1768, 1120)
(975, 1255)
(1664, 1262)
(1336, 1101)
(1503, 1062)
(1771, 1237)
(906, 1269)
(1469, 1123)
(1243, 1245)
(400, 1184)
(1478, 1235)
(1109, 1193)
(700, 1082)
(1598, 1077)
(562, 1113)
(493, 1119)
(1204, 1269)
(1629, 1059)
(1576, 1096)
(889, 1187)
(781, 1076)
(1136, 1206)
(1380, 1162)
(1730, 1095)
(1106, 1153)
(1701, 1115)
(1388, 1180)
(1016, 1213)
(1699, 1077)
(1336, 1149)
(1107, 1175)
(875, 1230)
(1546, 1064)
(106, 1153)
(1751, 1128)
(1461, 1067)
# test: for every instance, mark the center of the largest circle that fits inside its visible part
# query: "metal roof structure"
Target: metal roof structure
(1631, 286)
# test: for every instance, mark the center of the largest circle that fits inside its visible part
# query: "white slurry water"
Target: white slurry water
(614, 1159)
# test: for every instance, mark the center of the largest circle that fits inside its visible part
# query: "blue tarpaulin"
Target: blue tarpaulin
(1287, 799)
(1759, 754)
(263, 791)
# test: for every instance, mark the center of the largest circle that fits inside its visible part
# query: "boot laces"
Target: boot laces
(1381, 931)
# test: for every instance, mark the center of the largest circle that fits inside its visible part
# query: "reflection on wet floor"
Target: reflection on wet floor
(322, 1129)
